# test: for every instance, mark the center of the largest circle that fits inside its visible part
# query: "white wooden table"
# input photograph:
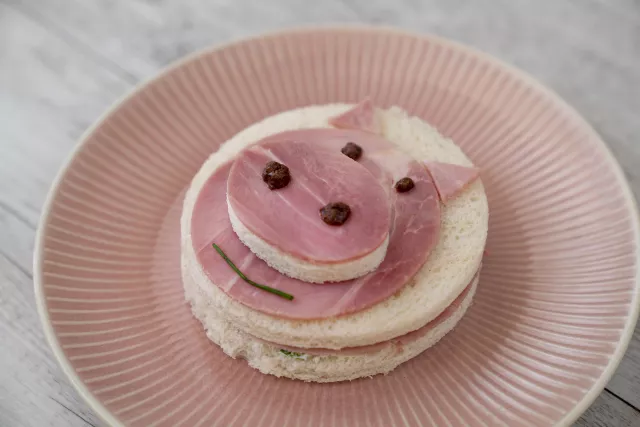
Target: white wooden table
(62, 62)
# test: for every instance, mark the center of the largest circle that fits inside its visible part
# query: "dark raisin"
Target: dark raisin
(351, 150)
(276, 175)
(404, 185)
(335, 213)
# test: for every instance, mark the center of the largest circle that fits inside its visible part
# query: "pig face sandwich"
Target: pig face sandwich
(333, 242)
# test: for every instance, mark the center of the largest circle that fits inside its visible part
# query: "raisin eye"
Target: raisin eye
(404, 185)
(276, 175)
(351, 150)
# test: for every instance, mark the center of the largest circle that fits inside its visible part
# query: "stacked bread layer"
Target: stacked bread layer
(326, 366)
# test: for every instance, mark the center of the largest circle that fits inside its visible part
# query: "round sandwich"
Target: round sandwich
(333, 242)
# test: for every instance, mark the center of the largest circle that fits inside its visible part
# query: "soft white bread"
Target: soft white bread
(450, 267)
(269, 359)
(305, 270)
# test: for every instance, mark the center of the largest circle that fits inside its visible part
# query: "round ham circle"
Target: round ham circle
(288, 219)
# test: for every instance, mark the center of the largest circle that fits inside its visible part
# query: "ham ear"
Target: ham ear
(451, 180)
(360, 117)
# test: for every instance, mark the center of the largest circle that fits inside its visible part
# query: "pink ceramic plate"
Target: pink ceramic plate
(554, 311)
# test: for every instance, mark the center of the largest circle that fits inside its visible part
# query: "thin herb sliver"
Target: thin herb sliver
(249, 281)
(292, 353)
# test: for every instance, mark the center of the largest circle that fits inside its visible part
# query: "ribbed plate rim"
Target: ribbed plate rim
(369, 30)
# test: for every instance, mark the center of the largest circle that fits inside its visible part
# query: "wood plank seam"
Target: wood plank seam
(622, 400)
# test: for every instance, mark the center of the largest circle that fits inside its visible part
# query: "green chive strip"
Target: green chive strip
(291, 353)
(249, 281)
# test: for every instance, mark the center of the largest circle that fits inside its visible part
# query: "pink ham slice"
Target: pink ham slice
(451, 180)
(415, 225)
(362, 117)
(289, 219)
(397, 342)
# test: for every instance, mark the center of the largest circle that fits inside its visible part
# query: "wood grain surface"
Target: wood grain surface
(63, 62)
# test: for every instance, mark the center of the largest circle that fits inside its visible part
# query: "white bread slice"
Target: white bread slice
(269, 359)
(305, 270)
(450, 267)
